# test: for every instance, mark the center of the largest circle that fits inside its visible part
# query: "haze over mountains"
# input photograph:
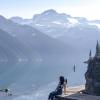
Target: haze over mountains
(50, 19)
(48, 43)
(25, 52)
(64, 27)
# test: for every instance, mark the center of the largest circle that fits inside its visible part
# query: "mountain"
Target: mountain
(29, 36)
(75, 31)
(78, 32)
(10, 48)
(49, 45)
(58, 24)
(52, 43)
(21, 20)
(47, 21)
(12, 54)
(33, 55)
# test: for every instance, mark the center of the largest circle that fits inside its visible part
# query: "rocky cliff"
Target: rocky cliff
(92, 75)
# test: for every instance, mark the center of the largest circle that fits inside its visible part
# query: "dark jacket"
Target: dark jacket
(59, 88)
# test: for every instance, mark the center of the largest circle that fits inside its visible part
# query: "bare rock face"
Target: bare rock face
(92, 75)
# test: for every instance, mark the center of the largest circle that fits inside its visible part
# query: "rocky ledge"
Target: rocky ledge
(75, 93)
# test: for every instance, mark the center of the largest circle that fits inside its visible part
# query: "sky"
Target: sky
(27, 8)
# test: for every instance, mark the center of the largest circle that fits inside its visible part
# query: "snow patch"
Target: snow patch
(73, 21)
(98, 25)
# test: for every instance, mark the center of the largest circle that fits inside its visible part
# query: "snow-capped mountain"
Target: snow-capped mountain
(27, 35)
(48, 43)
(56, 24)
(29, 55)
(78, 32)
(75, 31)
(67, 28)
(49, 21)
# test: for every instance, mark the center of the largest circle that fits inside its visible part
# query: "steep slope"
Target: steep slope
(12, 53)
(43, 55)
(11, 48)
(75, 31)
(30, 36)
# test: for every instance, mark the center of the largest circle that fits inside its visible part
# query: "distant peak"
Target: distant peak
(50, 11)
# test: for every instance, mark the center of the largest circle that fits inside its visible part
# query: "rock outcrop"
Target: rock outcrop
(92, 75)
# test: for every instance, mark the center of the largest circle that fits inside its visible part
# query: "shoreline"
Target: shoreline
(74, 93)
